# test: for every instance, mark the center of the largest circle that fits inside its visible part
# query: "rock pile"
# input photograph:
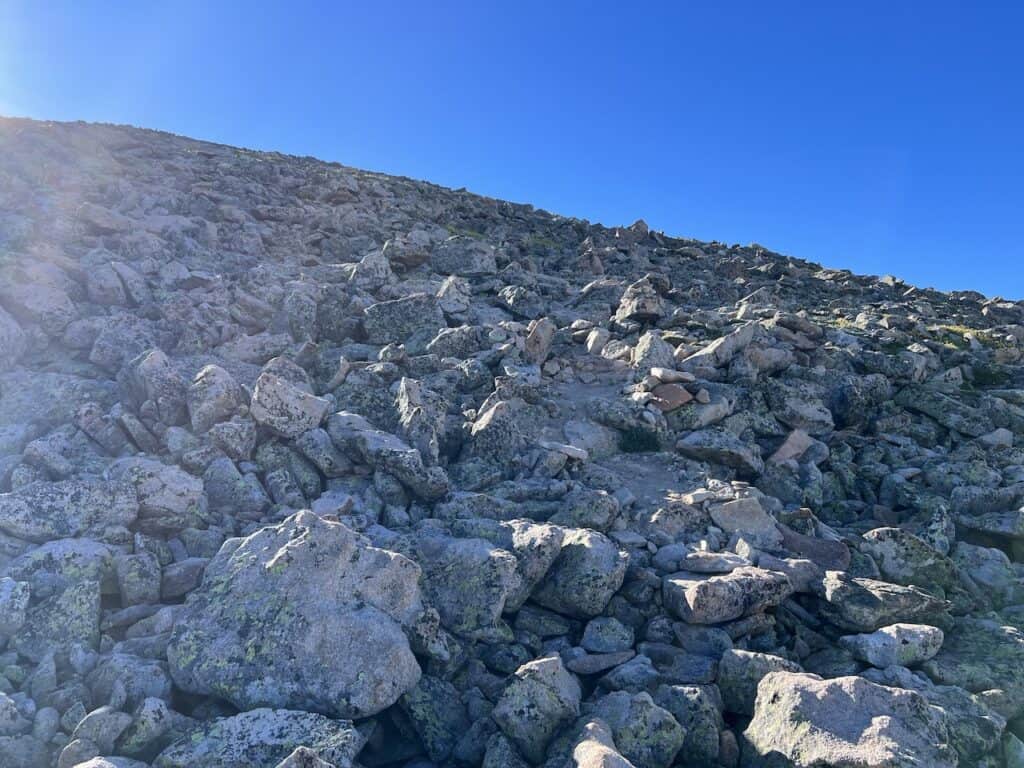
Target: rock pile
(303, 466)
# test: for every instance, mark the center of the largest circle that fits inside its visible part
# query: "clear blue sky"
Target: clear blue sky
(882, 137)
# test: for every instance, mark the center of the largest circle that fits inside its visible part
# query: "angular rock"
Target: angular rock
(412, 321)
(284, 408)
(354, 434)
(902, 645)
(719, 446)
(468, 581)
(710, 599)
(645, 734)
(542, 697)
(740, 672)
(263, 737)
(44, 511)
(588, 571)
(595, 748)
(302, 614)
(803, 721)
(864, 605)
(464, 256)
(213, 396)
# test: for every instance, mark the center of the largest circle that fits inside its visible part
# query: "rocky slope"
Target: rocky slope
(307, 466)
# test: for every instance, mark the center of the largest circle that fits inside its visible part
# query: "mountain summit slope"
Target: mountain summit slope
(302, 465)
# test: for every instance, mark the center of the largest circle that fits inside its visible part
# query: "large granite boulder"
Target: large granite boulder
(303, 615)
(802, 721)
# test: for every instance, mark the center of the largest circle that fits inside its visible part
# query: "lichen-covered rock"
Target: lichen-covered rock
(213, 396)
(355, 435)
(60, 621)
(303, 614)
(12, 341)
(698, 709)
(646, 735)
(904, 645)
(497, 434)
(904, 558)
(39, 301)
(263, 737)
(464, 256)
(595, 748)
(588, 571)
(412, 321)
(14, 597)
(542, 697)
(285, 408)
(468, 581)
(152, 377)
(606, 635)
(437, 715)
(169, 498)
(44, 511)
(981, 654)
(740, 672)
(974, 728)
(864, 605)
(668, 466)
(699, 598)
(803, 721)
(536, 546)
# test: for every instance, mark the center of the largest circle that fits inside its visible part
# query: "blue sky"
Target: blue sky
(881, 137)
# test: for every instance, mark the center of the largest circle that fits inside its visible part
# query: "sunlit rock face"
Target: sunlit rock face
(305, 466)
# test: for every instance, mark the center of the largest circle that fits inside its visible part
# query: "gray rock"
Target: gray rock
(60, 621)
(212, 397)
(646, 735)
(974, 729)
(588, 571)
(698, 709)
(263, 737)
(864, 605)
(801, 720)
(606, 635)
(284, 408)
(102, 727)
(353, 434)
(169, 498)
(44, 511)
(12, 341)
(739, 673)
(14, 597)
(542, 697)
(464, 256)
(468, 581)
(229, 491)
(980, 654)
(710, 599)
(302, 614)
(595, 748)
(904, 645)
(437, 715)
(412, 321)
(719, 446)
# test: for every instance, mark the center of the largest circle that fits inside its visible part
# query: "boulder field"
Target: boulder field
(303, 466)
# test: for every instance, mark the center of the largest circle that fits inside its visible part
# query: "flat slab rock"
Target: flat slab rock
(699, 598)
